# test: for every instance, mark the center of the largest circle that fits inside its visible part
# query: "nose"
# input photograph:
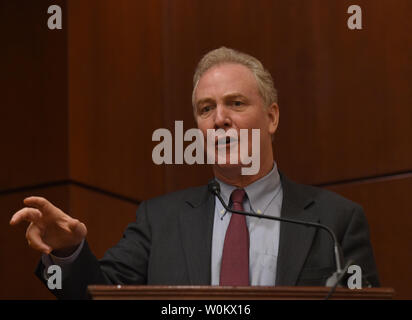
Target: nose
(222, 117)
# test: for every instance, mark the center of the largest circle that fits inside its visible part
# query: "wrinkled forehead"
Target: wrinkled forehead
(224, 79)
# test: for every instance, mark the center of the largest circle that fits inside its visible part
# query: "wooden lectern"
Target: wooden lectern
(102, 292)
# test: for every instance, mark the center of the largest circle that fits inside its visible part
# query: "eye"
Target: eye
(205, 109)
(237, 103)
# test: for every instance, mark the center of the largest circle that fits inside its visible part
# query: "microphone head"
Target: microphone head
(214, 187)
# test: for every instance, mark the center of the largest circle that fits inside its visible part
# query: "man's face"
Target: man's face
(227, 97)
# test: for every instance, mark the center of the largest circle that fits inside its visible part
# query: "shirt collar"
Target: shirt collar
(260, 193)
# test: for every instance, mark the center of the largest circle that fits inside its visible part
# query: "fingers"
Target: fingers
(26, 214)
(34, 239)
(38, 202)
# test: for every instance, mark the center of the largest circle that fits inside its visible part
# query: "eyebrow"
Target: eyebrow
(203, 101)
(234, 95)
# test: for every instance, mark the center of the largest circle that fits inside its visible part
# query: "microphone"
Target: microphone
(336, 277)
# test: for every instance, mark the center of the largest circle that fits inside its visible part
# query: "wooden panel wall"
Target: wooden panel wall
(36, 135)
(33, 99)
(33, 132)
(115, 89)
(79, 106)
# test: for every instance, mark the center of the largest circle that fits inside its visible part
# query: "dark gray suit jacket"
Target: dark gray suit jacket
(170, 243)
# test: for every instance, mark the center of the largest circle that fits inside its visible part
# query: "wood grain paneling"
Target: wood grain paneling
(33, 95)
(115, 90)
(388, 207)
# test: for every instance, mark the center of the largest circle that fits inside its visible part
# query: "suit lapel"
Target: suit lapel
(196, 227)
(295, 240)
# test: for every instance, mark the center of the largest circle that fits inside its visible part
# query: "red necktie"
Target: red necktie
(234, 270)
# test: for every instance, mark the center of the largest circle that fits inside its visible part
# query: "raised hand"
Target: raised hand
(50, 229)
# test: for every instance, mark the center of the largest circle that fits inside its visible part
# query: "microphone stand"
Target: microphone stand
(334, 280)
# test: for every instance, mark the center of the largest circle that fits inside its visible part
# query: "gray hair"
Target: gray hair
(226, 55)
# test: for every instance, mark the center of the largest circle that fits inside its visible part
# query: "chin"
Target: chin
(228, 167)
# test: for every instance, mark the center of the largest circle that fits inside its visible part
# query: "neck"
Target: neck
(233, 175)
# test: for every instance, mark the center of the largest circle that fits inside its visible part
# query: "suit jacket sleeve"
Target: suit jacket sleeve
(357, 247)
(125, 263)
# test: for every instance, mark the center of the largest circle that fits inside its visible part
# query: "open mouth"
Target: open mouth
(225, 141)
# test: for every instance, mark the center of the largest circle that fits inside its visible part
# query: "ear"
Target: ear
(273, 117)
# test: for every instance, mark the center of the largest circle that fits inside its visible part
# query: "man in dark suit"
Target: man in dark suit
(187, 238)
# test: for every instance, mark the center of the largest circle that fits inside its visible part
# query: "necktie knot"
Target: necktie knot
(238, 195)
